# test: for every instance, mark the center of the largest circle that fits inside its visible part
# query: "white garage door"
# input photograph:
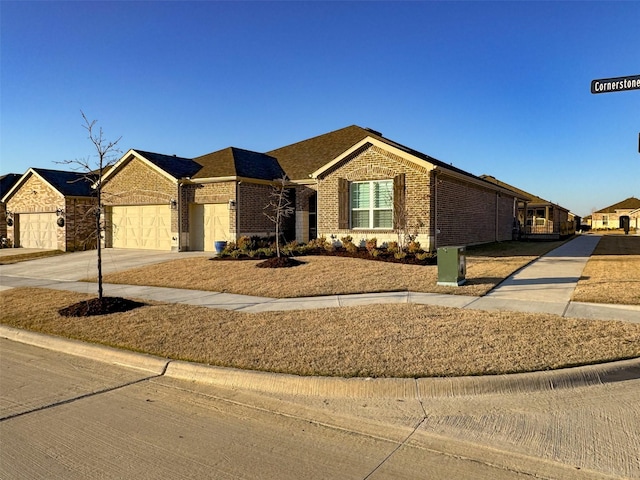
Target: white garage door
(38, 230)
(141, 226)
(208, 223)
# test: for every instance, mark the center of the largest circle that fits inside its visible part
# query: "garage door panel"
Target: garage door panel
(38, 230)
(141, 226)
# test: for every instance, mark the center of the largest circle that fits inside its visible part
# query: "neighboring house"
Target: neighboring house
(51, 209)
(165, 202)
(6, 182)
(351, 181)
(539, 218)
(613, 216)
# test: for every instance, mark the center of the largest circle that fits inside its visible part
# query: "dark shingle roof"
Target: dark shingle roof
(233, 161)
(178, 167)
(74, 184)
(303, 158)
(534, 199)
(7, 181)
(630, 203)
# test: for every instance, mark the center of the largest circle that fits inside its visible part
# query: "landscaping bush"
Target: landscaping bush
(320, 246)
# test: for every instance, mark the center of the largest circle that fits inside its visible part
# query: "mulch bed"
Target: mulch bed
(280, 262)
(95, 306)
(361, 253)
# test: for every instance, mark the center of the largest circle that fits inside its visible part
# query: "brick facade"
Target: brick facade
(375, 163)
(138, 184)
(466, 212)
(37, 196)
(3, 220)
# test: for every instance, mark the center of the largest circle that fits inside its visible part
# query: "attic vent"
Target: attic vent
(373, 131)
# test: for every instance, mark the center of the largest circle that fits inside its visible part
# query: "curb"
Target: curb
(337, 387)
(101, 353)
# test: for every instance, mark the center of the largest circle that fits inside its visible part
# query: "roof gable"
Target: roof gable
(68, 184)
(169, 166)
(630, 203)
(303, 158)
(236, 162)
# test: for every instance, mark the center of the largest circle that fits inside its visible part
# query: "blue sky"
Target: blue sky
(499, 88)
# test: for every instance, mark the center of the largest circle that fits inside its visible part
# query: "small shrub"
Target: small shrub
(236, 253)
(289, 248)
(347, 239)
(413, 247)
(350, 247)
(252, 253)
(267, 251)
(329, 247)
(231, 246)
(371, 244)
(400, 255)
(319, 242)
(374, 252)
(392, 247)
(243, 243)
(423, 255)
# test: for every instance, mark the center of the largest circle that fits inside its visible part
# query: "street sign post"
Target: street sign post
(617, 84)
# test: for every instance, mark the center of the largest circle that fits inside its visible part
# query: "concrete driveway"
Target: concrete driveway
(80, 265)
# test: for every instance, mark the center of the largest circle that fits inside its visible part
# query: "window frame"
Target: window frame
(372, 208)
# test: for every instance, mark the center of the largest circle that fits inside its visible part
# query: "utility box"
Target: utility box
(452, 266)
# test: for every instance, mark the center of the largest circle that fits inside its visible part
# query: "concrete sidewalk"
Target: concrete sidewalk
(544, 286)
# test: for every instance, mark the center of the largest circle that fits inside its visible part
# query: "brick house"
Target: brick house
(166, 202)
(379, 188)
(613, 216)
(6, 183)
(539, 218)
(51, 209)
(351, 181)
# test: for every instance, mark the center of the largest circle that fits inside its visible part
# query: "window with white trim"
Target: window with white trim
(371, 204)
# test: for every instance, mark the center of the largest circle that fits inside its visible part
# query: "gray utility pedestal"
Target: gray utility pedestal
(452, 266)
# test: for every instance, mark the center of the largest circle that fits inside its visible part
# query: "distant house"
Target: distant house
(50, 209)
(539, 218)
(614, 216)
(6, 182)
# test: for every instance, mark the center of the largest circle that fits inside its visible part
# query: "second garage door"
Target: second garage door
(141, 226)
(38, 230)
(208, 223)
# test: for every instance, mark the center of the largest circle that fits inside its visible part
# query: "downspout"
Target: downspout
(237, 211)
(497, 215)
(435, 214)
(180, 215)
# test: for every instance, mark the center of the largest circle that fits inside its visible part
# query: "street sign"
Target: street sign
(617, 84)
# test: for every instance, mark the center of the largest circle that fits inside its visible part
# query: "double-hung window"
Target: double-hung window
(372, 204)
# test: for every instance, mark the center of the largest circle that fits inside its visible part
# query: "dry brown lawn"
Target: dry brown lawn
(373, 341)
(9, 255)
(486, 267)
(318, 276)
(612, 274)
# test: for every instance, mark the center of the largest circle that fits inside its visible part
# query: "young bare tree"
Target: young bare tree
(279, 207)
(93, 168)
